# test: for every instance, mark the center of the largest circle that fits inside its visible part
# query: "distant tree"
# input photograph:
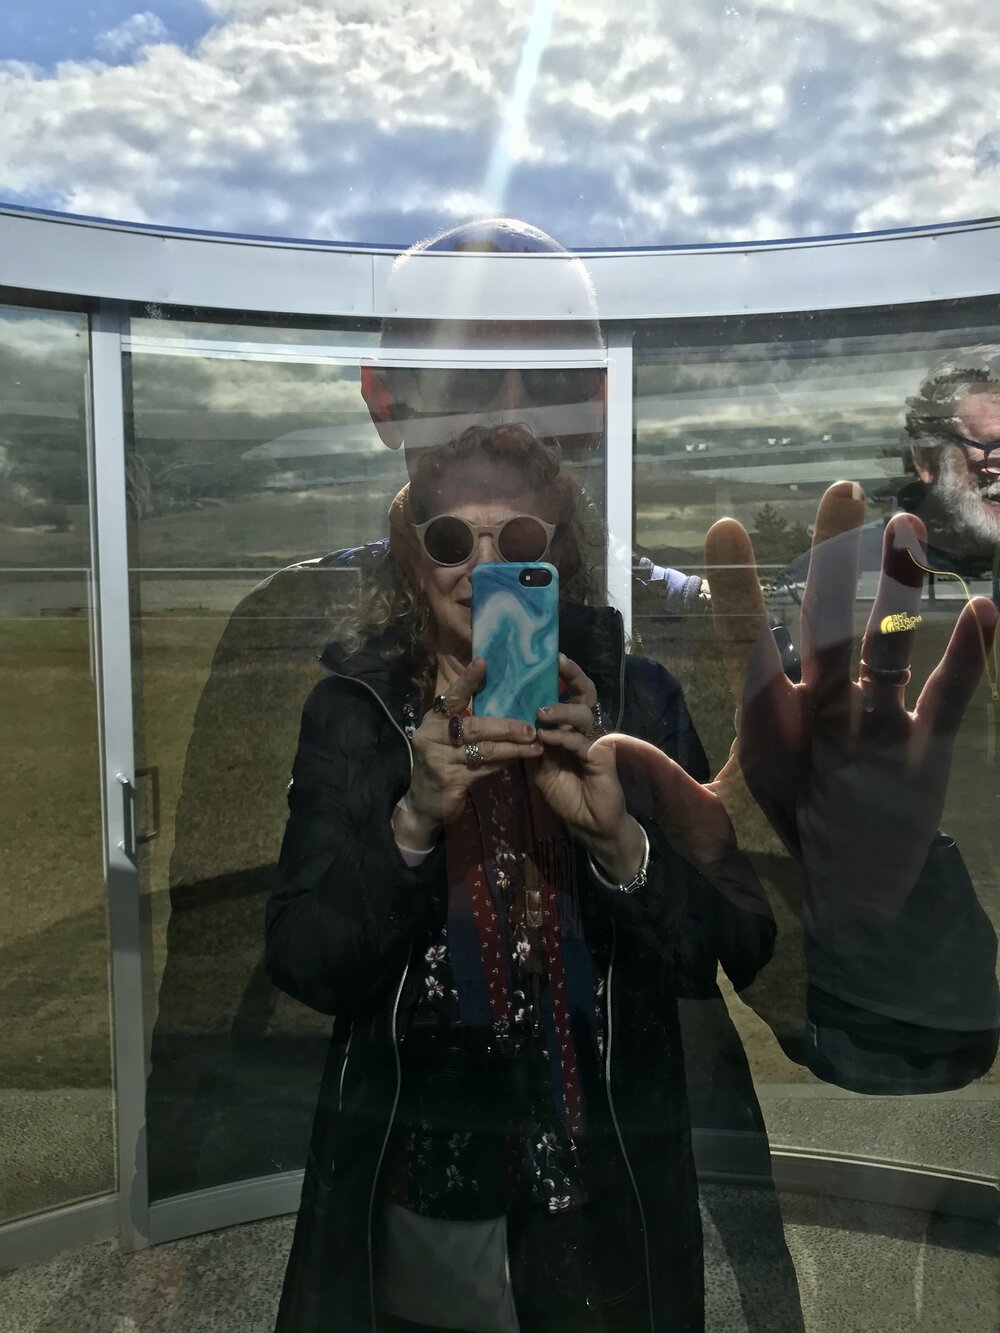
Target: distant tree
(775, 540)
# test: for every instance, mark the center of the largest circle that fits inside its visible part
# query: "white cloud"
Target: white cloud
(371, 120)
(136, 32)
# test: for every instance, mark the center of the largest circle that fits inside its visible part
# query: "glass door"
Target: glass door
(250, 459)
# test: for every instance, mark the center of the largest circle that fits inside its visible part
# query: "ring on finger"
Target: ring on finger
(440, 704)
(599, 726)
(473, 755)
(455, 725)
(885, 675)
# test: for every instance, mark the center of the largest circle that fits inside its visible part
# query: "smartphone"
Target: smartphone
(515, 629)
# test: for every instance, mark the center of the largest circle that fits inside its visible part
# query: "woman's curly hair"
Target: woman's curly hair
(389, 605)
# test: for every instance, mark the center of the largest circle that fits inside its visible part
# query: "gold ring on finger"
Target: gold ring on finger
(455, 725)
(473, 755)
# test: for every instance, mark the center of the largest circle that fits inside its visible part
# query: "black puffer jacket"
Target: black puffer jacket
(350, 915)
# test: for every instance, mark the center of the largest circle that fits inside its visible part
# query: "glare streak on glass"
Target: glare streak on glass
(505, 150)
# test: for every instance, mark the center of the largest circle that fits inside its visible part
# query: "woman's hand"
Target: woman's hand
(578, 777)
(445, 766)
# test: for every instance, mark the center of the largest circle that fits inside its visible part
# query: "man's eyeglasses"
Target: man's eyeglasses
(450, 540)
(437, 392)
(990, 450)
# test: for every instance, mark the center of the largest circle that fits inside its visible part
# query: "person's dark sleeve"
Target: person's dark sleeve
(347, 905)
(911, 1005)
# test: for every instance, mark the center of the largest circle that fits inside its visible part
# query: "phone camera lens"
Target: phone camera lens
(535, 578)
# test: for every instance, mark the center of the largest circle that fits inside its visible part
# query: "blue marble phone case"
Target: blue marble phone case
(516, 629)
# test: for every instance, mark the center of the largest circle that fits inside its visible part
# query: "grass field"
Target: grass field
(53, 939)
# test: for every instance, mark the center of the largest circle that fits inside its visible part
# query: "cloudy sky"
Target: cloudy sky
(375, 120)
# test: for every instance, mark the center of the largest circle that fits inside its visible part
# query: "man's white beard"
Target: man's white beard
(975, 524)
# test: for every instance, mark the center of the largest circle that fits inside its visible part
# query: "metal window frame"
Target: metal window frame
(619, 471)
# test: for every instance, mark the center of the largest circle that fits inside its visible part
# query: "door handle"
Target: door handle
(133, 839)
(127, 844)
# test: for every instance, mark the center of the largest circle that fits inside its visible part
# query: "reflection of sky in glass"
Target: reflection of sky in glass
(771, 418)
(272, 407)
(43, 465)
(254, 463)
(656, 125)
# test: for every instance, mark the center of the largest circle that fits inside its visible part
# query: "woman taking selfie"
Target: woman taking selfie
(501, 930)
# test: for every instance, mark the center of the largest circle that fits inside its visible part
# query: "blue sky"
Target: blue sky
(375, 120)
(43, 34)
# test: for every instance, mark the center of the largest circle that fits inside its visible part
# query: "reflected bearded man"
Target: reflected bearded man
(953, 425)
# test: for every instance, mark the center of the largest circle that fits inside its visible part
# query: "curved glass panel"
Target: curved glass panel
(55, 1059)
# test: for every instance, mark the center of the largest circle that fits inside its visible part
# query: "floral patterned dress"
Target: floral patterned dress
(502, 1106)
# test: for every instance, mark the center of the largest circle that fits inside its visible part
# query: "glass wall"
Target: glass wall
(55, 1061)
(257, 491)
(754, 418)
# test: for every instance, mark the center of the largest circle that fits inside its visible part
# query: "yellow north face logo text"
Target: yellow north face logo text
(895, 624)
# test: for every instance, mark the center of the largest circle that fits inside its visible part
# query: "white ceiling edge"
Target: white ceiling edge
(114, 261)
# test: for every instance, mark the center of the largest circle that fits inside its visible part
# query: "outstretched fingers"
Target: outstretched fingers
(952, 683)
(749, 655)
(738, 613)
(827, 622)
(888, 641)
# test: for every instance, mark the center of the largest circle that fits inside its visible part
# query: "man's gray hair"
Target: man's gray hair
(935, 405)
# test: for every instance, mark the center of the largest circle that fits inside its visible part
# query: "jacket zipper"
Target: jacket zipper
(353, 680)
(609, 1006)
(614, 1121)
(343, 1075)
(385, 1144)
(395, 1040)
